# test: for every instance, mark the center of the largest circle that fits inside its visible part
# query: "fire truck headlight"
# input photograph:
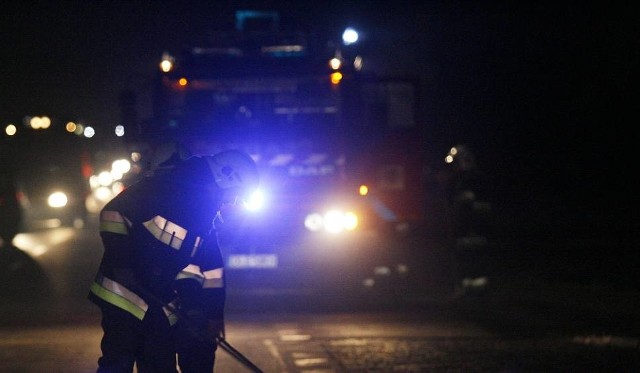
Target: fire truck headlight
(350, 221)
(334, 221)
(313, 222)
(57, 200)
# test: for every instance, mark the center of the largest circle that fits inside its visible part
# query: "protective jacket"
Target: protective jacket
(157, 235)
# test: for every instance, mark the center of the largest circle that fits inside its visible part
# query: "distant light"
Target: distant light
(336, 77)
(364, 190)
(335, 63)
(121, 166)
(349, 36)
(116, 174)
(94, 182)
(79, 129)
(105, 178)
(183, 82)
(89, 132)
(402, 268)
(57, 200)
(166, 64)
(10, 130)
(136, 156)
(368, 282)
(103, 194)
(448, 159)
(453, 151)
(119, 130)
(382, 271)
(40, 122)
(70, 127)
(358, 63)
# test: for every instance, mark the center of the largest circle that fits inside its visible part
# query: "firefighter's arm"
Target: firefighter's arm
(208, 296)
(201, 306)
(118, 248)
(213, 287)
(214, 300)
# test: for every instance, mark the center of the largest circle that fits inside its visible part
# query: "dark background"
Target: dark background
(542, 92)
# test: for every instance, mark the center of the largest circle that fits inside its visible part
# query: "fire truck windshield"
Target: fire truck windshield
(268, 107)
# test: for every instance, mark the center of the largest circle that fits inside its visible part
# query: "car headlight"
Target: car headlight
(57, 199)
(333, 221)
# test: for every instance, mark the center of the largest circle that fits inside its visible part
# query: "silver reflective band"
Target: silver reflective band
(191, 271)
(169, 312)
(196, 246)
(213, 278)
(163, 230)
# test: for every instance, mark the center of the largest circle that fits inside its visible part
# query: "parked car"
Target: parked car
(53, 194)
(52, 188)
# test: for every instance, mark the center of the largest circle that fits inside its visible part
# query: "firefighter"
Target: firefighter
(160, 285)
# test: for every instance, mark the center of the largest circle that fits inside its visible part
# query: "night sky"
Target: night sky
(543, 92)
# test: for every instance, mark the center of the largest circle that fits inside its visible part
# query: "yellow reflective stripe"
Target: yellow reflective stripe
(213, 278)
(169, 233)
(118, 295)
(112, 221)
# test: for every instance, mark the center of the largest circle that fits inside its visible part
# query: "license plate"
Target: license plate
(252, 261)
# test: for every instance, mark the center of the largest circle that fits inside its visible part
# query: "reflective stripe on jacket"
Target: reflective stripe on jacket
(118, 295)
(112, 221)
(207, 279)
(169, 233)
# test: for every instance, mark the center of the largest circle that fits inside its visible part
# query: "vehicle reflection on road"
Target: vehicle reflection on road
(39, 242)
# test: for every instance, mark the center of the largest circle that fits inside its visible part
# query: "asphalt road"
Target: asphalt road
(521, 324)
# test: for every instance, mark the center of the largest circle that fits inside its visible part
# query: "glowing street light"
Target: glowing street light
(349, 36)
(40, 122)
(119, 130)
(10, 129)
(89, 132)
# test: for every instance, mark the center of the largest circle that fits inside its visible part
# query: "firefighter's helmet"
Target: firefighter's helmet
(234, 169)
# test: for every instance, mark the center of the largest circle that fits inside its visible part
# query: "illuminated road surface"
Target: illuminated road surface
(57, 330)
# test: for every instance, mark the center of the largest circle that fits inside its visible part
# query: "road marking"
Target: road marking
(273, 351)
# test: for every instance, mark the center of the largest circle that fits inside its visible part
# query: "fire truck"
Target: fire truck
(339, 152)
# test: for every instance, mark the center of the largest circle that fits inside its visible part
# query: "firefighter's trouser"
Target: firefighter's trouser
(195, 349)
(127, 340)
